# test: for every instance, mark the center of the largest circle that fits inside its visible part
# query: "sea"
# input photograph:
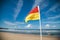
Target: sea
(45, 32)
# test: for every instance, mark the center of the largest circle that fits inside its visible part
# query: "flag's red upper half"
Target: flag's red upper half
(33, 15)
(34, 10)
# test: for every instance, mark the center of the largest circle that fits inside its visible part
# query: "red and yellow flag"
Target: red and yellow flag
(33, 14)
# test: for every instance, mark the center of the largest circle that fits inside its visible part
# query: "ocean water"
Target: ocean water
(23, 31)
(53, 32)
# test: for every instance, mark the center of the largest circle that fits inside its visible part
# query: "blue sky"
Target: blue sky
(13, 13)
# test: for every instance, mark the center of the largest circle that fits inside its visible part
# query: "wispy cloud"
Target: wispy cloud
(53, 8)
(52, 22)
(13, 23)
(54, 26)
(48, 26)
(19, 22)
(9, 23)
(36, 3)
(54, 17)
(18, 8)
(43, 5)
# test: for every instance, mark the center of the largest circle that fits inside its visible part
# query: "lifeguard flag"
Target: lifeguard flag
(34, 14)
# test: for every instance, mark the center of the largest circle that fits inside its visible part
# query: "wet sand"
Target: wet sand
(15, 36)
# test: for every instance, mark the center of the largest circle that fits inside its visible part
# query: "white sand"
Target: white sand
(12, 36)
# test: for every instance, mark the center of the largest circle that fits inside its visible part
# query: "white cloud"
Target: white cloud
(18, 8)
(47, 25)
(28, 26)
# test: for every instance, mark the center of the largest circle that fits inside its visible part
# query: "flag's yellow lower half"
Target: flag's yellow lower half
(33, 16)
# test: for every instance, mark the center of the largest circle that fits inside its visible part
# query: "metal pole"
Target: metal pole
(40, 24)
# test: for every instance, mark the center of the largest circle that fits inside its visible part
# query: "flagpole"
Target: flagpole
(40, 24)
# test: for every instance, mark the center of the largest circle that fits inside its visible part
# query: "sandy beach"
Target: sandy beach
(15, 36)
